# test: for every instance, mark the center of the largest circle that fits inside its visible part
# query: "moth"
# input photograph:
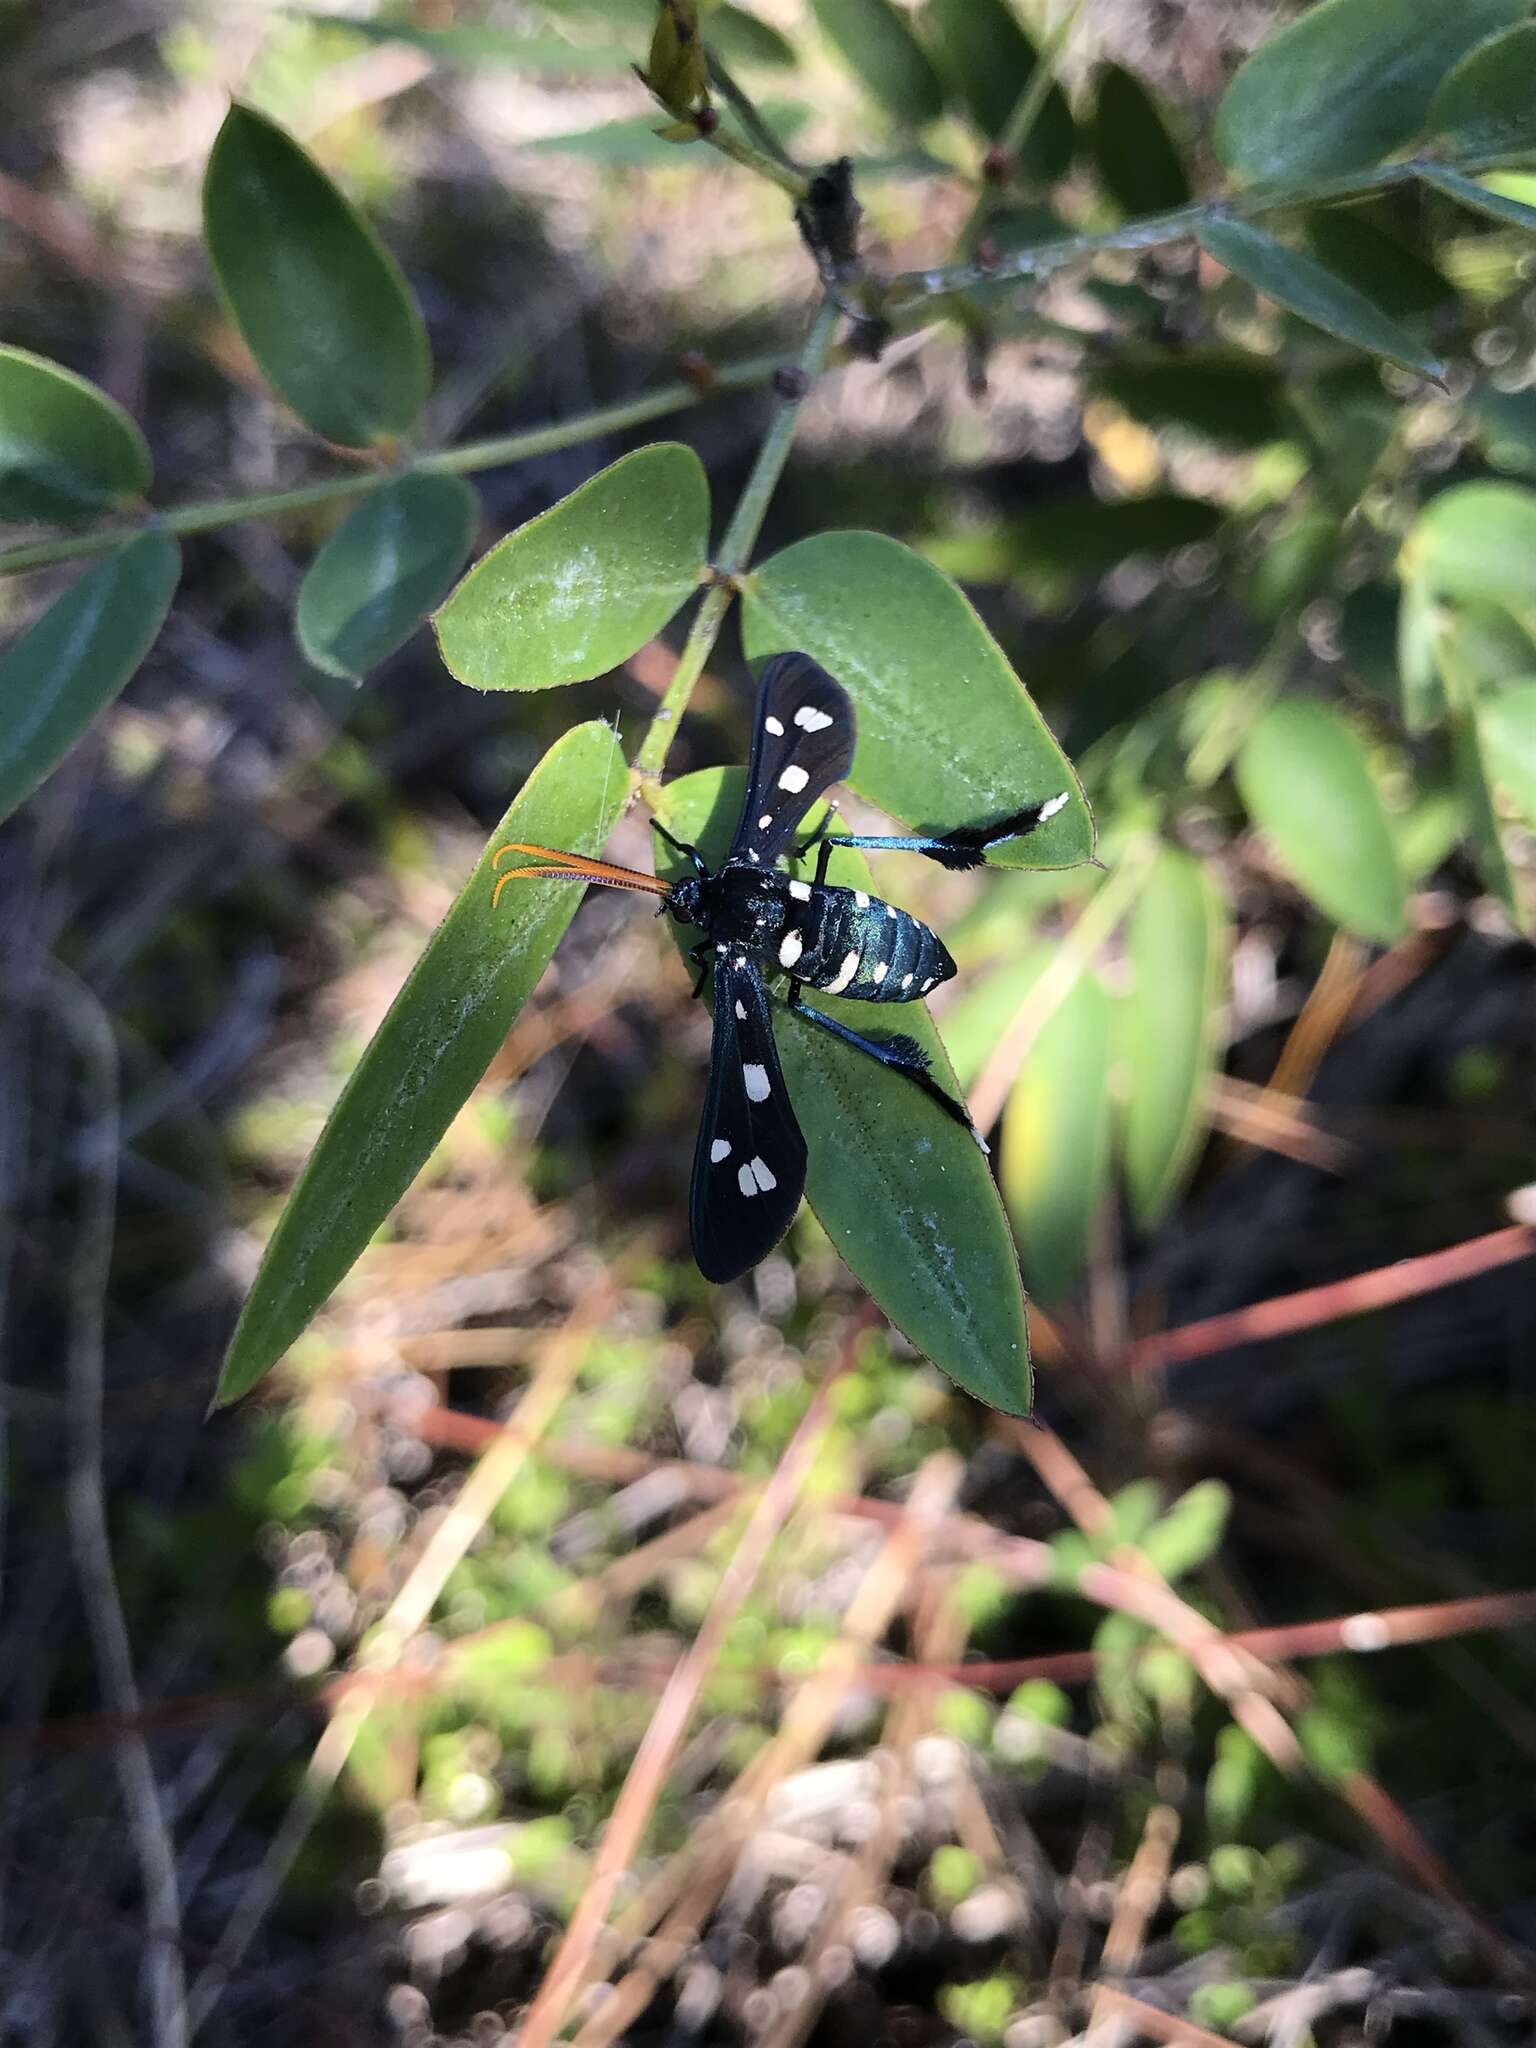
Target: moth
(759, 922)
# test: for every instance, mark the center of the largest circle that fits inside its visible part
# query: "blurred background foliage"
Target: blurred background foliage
(1279, 603)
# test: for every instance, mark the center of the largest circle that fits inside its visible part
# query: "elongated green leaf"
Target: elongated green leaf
(735, 32)
(472, 46)
(1306, 781)
(882, 52)
(975, 1021)
(1487, 106)
(902, 1191)
(1169, 1026)
(423, 1062)
(1476, 544)
(1135, 156)
(1508, 728)
(70, 663)
(1346, 84)
(319, 300)
(947, 735)
(66, 449)
(1314, 294)
(1418, 622)
(577, 590)
(389, 562)
(991, 61)
(1480, 197)
(1354, 244)
(1474, 780)
(1055, 1157)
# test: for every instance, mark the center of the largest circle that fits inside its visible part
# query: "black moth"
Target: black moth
(757, 921)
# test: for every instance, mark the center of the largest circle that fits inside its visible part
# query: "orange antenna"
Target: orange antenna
(556, 866)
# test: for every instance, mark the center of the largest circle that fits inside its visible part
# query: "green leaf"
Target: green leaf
(991, 61)
(947, 735)
(1418, 623)
(472, 46)
(1219, 392)
(739, 37)
(1054, 1163)
(1306, 781)
(1508, 729)
(1178, 936)
(66, 449)
(1351, 243)
(1487, 106)
(880, 49)
(1474, 783)
(320, 302)
(902, 1191)
(576, 591)
(1345, 85)
(1138, 164)
(1476, 544)
(1481, 198)
(389, 562)
(1190, 1533)
(423, 1062)
(976, 1019)
(1295, 561)
(1313, 293)
(72, 661)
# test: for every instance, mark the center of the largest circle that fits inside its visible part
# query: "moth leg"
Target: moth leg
(902, 1054)
(698, 956)
(966, 846)
(681, 846)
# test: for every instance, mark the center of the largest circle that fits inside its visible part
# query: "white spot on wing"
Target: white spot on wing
(861, 901)
(906, 981)
(756, 1078)
(790, 949)
(721, 1149)
(741, 1009)
(765, 821)
(843, 976)
(764, 1178)
(793, 779)
(882, 969)
(775, 726)
(809, 719)
(801, 891)
(745, 1181)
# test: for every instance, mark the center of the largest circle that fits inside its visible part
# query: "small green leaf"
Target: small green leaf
(1054, 1163)
(425, 1059)
(1306, 781)
(1295, 561)
(902, 1191)
(1314, 294)
(576, 591)
(991, 61)
(880, 49)
(1418, 675)
(1481, 198)
(1508, 726)
(1137, 161)
(1476, 544)
(1191, 1531)
(66, 449)
(1345, 85)
(319, 300)
(1178, 937)
(378, 576)
(738, 35)
(1474, 783)
(947, 735)
(72, 661)
(1487, 106)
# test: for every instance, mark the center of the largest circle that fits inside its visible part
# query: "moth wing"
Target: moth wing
(749, 1162)
(802, 742)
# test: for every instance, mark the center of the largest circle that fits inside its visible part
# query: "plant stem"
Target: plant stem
(1041, 259)
(734, 553)
(470, 456)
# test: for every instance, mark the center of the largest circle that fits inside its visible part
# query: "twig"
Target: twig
(668, 1725)
(163, 1974)
(1171, 2027)
(1311, 1307)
